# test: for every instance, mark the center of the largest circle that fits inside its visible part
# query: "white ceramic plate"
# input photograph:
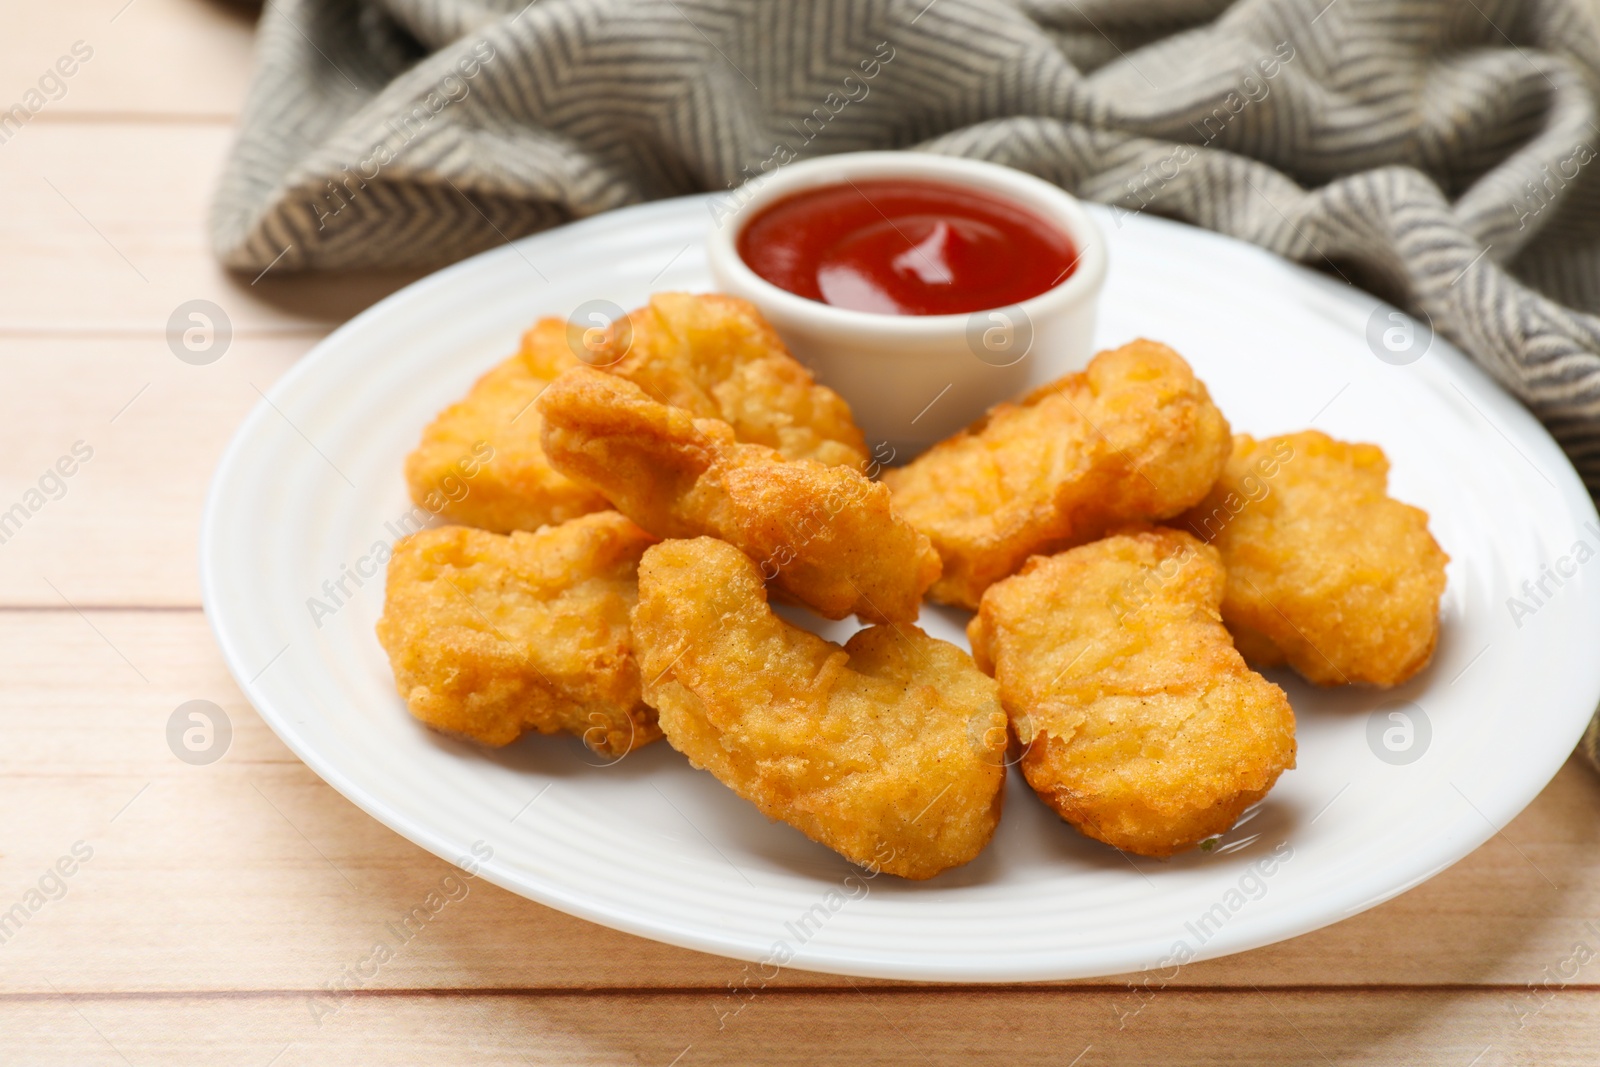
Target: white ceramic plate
(650, 846)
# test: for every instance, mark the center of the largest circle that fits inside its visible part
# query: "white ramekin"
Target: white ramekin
(914, 379)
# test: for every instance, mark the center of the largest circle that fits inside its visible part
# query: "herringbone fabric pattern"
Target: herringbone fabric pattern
(1435, 151)
(1438, 152)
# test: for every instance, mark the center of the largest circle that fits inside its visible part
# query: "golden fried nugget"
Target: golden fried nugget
(480, 463)
(1133, 437)
(716, 357)
(827, 536)
(890, 750)
(1142, 725)
(492, 635)
(1325, 569)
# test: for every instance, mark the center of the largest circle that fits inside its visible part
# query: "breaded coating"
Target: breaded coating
(717, 358)
(1325, 569)
(480, 463)
(826, 536)
(1133, 437)
(491, 635)
(890, 750)
(1141, 724)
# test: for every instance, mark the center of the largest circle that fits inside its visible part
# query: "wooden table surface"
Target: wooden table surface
(218, 902)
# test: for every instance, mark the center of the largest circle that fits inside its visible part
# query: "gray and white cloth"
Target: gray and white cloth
(1436, 152)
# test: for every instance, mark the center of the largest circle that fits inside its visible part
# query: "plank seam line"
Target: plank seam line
(112, 333)
(546, 992)
(62, 609)
(135, 118)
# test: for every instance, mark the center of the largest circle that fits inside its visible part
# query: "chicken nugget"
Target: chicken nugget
(716, 357)
(1133, 437)
(491, 635)
(1325, 570)
(1141, 724)
(826, 536)
(890, 750)
(480, 464)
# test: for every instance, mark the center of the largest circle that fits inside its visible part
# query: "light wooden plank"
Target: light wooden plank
(178, 58)
(124, 527)
(251, 874)
(104, 230)
(1442, 1028)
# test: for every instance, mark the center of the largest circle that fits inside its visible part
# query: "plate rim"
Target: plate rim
(1268, 929)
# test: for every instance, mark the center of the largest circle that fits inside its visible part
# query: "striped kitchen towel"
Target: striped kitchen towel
(1440, 153)
(1435, 151)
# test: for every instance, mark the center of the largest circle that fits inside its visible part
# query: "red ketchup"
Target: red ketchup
(906, 247)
